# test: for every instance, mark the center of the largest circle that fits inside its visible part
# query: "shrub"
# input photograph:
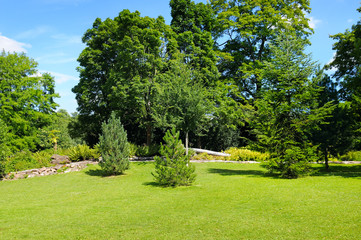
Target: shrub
(21, 161)
(132, 149)
(243, 154)
(114, 147)
(174, 168)
(351, 156)
(82, 152)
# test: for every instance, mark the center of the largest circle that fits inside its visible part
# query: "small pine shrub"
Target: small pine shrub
(113, 147)
(173, 168)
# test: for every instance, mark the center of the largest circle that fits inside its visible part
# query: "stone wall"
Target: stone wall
(45, 171)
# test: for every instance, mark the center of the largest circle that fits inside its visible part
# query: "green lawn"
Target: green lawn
(227, 201)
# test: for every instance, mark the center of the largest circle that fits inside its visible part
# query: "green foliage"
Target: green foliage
(114, 147)
(351, 156)
(244, 154)
(57, 133)
(122, 59)
(81, 153)
(244, 31)
(26, 100)
(4, 149)
(173, 168)
(182, 102)
(237, 154)
(287, 112)
(24, 160)
(347, 62)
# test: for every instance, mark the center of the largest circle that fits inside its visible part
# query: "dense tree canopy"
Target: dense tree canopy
(119, 68)
(244, 30)
(26, 99)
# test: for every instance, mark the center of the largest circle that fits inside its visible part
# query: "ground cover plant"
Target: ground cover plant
(227, 201)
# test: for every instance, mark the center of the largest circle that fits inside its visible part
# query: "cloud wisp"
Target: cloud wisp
(11, 45)
(313, 22)
(60, 77)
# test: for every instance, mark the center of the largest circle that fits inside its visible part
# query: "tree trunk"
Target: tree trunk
(187, 143)
(326, 160)
(149, 135)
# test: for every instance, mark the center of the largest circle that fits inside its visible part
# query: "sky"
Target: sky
(50, 31)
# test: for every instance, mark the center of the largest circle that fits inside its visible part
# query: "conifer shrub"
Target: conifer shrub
(113, 147)
(173, 168)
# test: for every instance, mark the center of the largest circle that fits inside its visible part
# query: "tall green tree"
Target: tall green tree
(287, 111)
(347, 62)
(336, 136)
(26, 99)
(193, 22)
(182, 102)
(244, 31)
(118, 70)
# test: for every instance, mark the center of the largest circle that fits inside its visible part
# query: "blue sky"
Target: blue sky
(50, 31)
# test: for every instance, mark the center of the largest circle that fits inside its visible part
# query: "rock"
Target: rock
(58, 159)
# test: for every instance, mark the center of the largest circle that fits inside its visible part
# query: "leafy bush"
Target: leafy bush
(143, 151)
(24, 160)
(114, 147)
(132, 149)
(237, 154)
(351, 156)
(82, 152)
(147, 151)
(206, 156)
(243, 154)
(174, 168)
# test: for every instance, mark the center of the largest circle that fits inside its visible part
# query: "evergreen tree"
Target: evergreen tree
(173, 168)
(114, 147)
(287, 112)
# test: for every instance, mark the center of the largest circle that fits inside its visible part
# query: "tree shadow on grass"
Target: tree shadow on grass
(99, 173)
(152, 184)
(95, 173)
(341, 170)
(230, 172)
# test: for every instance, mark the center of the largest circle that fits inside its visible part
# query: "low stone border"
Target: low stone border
(45, 171)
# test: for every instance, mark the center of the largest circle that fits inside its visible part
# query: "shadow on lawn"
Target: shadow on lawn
(230, 172)
(99, 173)
(344, 170)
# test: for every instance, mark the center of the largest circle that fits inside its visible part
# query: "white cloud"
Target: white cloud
(61, 78)
(33, 33)
(350, 20)
(11, 45)
(314, 22)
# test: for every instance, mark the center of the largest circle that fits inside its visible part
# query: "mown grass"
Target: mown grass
(227, 201)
